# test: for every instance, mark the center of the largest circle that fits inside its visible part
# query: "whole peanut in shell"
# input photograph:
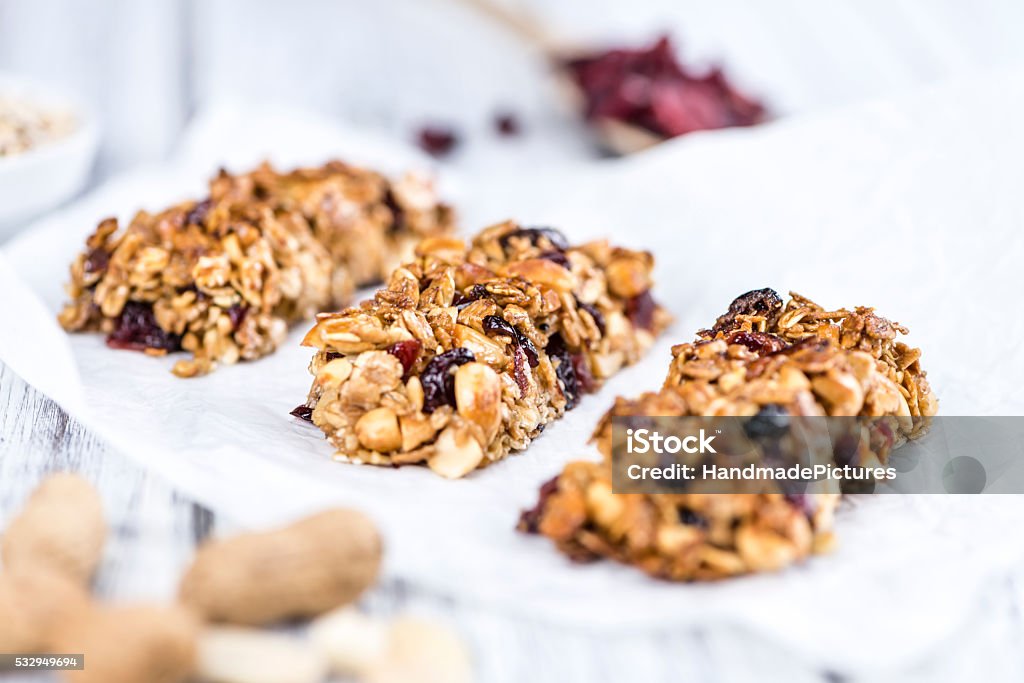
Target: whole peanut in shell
(61, 526)
(302, 570)
(32, 604)
(422, 651)
(235, 654)
(131, 644)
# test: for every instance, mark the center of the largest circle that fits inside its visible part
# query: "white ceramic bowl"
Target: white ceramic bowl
(40, 178)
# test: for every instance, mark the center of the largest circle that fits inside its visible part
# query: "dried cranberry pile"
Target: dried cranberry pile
(649, 88)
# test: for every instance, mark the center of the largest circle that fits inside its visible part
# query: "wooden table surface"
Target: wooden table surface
(156, 528)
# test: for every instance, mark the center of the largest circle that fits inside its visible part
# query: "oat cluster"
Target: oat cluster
(471, 350)
(765, 360)
(224, 277)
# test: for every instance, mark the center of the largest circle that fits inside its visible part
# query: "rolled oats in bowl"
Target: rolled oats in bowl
(25, 125)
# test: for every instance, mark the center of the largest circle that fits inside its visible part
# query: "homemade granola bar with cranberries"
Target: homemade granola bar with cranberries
(224, 277)
(471, 350)
(768, 361)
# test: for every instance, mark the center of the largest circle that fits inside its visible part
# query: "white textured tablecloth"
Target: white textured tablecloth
(912, 206)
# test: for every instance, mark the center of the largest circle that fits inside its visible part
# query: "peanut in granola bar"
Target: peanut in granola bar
(471, 350)
(765, 360)
(224, 278)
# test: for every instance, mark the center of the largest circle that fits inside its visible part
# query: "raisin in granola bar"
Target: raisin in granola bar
(761, 359)
(470, 351)
(224, 277)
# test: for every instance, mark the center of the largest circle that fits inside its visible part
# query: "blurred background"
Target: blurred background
(147, 66)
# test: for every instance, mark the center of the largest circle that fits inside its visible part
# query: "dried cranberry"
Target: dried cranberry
(237, 314)
(761, 343)
(884, 432)
(756, 302)
(198, 213)
(303, 412)
(397, 213)
(529, 520)
(437, 140)
(770, 422)
(640, 310)
(564, 370)
(649, 88)
(584, 378)
(137, 330)
(691, 518)
(558, 257)
(803, 502)
(763, 302)
(406, 352)
(438, 381)
(494, 324)
(554, 237)
(519, 372)
(96, 261)
(532, 357)
(507, 124)
(594, 313)
(846, 450)
(461, 300)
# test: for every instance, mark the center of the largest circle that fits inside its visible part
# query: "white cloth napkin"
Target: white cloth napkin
(912, 206)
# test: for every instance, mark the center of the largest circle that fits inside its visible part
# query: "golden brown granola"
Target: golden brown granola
(368, 223)
(470, 351)
(764, 359)
(224, 277)
(809, 359)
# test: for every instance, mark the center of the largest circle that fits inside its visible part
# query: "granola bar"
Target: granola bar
(471, 350)
(224, 277)
(761, 359)
(368, 223)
